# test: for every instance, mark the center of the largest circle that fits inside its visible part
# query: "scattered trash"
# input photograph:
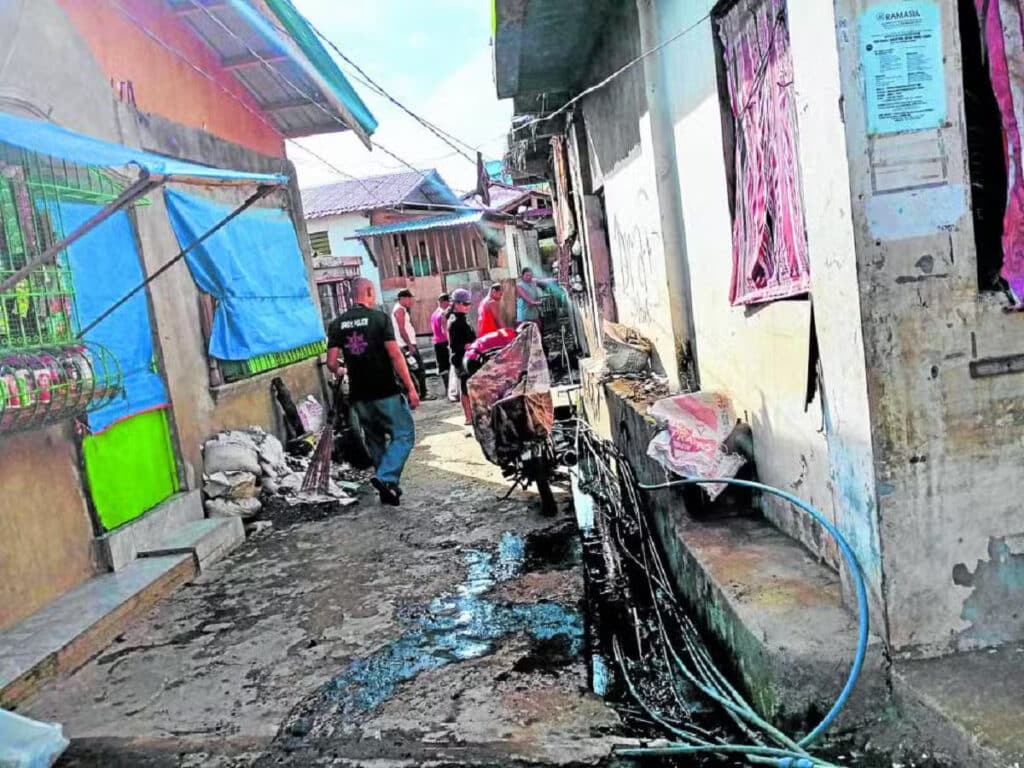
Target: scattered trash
(692, 443)
(27, 743)
(246, 468)
(626, 351)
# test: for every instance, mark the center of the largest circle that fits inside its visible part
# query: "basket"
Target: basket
(626, 351)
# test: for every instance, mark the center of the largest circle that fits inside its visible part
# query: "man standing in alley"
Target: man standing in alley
(489, 314)
(405, 335)
(439, 331)
(377, 376)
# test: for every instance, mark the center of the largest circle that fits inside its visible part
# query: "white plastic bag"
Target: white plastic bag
(26, 743)
(311, 414)
(692, 443)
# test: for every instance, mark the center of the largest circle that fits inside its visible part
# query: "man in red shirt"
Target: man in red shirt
(490, 319)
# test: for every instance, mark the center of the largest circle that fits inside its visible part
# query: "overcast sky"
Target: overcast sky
(432, 55)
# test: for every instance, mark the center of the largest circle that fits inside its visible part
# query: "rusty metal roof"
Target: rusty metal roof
(373, 192)
(300, 96)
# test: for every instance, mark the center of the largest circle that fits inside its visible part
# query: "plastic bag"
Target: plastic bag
(26, 743)
(454, 387)
(626, 351)
(692, 443)
(311, 414)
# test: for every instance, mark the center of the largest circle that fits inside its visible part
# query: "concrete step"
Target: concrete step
(69, 631)
(119, 548)
(967, 706)
(208, 540)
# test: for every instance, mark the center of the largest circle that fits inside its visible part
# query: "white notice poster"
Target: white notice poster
(901, 54)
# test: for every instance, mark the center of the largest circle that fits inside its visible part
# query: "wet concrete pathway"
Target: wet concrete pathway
(447, 632)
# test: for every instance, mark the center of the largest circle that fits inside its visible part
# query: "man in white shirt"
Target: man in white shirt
(405, 335)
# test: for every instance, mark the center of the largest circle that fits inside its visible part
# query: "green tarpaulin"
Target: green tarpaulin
(130, 468)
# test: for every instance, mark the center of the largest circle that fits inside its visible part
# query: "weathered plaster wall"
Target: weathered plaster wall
(622, 164)
(45, 531)
(759, 355)
(947, 448)
(218, 104)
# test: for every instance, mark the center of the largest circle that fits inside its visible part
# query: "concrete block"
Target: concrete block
(72, 629)
(775, 610)
(207, 540)
(120, 547)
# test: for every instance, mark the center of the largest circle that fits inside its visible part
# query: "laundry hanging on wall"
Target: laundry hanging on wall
(769, 241)
(255, 272)
(1002, 28)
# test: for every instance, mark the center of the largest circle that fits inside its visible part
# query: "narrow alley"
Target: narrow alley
(448, 631)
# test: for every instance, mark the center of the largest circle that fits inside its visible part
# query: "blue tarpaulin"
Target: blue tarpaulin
(49, 139)
(104, 267)
(254, 269)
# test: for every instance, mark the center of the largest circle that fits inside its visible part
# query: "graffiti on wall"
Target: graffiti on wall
(636, 248)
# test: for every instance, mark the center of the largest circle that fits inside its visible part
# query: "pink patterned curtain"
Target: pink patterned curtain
(1003, 31)
(769, 241)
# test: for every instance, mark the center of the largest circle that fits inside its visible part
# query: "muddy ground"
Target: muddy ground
(448, 631)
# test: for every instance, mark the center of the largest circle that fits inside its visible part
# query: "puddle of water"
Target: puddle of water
(466, 625)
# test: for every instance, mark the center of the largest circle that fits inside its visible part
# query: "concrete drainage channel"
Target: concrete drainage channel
(636, 641)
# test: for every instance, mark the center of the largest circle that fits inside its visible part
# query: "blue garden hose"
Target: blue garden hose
(779, 758)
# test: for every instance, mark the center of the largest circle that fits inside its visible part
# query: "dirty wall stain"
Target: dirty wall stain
(995, 607)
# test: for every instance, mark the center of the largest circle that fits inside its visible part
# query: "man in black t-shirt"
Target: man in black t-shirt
(377, 377)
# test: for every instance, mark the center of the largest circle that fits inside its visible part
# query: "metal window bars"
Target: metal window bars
(236, 370)
(46, 373)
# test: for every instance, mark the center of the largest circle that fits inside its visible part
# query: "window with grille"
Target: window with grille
(755, 67)
(320, 243)
(46, 372)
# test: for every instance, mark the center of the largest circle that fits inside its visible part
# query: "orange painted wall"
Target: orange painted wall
(163, 83)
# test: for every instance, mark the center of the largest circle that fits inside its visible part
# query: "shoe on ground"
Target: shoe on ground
(389, 493)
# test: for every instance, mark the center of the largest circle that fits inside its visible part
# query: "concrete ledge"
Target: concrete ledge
(208, 540)
(69, 631)
(774, 609)
(118, 548)
(968, 706)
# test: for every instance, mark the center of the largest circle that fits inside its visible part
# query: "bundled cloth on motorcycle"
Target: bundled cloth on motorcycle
(510, 398)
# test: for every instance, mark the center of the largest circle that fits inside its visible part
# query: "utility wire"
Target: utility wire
(312, 101)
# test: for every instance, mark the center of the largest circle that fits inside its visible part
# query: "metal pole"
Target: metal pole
(144, 184)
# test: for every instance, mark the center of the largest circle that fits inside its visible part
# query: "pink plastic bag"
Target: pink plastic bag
(692, 441)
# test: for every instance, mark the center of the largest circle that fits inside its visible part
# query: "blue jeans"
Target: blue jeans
(380, 420)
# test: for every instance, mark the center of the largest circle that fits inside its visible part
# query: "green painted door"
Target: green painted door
(130, 467)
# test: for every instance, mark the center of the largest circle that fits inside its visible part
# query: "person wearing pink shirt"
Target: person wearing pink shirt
(439, 328)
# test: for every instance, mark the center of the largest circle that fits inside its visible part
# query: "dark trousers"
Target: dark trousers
(389, 432)
(444, 362)
(420, 374)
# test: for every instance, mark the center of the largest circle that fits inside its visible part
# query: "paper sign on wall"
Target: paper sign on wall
(901, 53)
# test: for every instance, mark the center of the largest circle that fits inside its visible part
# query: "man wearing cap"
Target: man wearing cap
(460, 336)
(405, 335)
(489, 315)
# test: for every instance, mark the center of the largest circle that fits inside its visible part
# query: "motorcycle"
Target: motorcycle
(513, 415)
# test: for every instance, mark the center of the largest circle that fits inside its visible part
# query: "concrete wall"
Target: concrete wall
(759, 355)
(947, 447)
(339, 228)
(622, 165)
(126, 53)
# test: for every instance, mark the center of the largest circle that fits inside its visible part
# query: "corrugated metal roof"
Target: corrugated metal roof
(299, 96)
(420, 225)
(373, 192)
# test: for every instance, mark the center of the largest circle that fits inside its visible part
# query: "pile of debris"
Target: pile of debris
(244, 469)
